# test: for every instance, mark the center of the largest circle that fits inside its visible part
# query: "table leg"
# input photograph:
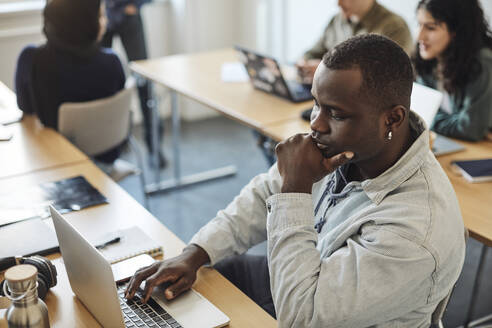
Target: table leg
(176, 133)
(155, 138)
(179, 181)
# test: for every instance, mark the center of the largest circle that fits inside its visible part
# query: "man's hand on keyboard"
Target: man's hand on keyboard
(179, 272)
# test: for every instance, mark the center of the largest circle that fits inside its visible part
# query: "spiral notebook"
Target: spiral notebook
(133, 242)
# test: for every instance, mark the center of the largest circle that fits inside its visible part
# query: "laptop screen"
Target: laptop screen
(425, 102)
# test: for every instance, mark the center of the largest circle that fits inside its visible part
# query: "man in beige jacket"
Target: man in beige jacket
(355, 17)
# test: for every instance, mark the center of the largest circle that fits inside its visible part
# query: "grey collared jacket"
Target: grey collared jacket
(388, 250)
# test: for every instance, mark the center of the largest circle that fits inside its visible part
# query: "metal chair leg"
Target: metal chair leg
(136, 149)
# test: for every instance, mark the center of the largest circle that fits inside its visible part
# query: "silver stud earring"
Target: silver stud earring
(390, 135)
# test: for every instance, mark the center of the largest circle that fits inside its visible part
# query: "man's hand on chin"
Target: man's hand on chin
(301, 163)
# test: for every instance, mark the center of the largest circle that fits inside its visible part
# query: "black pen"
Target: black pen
(109, 242)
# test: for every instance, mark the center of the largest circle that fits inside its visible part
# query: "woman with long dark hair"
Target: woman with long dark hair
(454, 54)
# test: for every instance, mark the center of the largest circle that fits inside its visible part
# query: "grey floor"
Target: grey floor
(216, 142)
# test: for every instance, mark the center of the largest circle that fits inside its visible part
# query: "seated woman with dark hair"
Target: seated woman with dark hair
(454, 54)
(70, 66)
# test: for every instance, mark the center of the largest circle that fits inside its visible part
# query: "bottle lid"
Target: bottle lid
(21, 273)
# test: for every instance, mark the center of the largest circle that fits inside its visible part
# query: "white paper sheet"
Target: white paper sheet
(234, 72)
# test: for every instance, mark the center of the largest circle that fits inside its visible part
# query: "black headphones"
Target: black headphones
(46, 271)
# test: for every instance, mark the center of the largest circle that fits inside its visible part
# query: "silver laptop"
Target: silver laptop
(91, 279)
(425, 102)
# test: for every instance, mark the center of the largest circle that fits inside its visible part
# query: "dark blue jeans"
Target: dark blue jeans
(250, 274)
(131, 33)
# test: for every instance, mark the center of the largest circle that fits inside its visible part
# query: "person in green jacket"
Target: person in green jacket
(454, 55)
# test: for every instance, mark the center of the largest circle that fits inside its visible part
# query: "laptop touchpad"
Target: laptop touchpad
(191, 309)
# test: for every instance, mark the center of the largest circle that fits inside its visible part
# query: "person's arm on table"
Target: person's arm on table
(181, 270)
(233, 231)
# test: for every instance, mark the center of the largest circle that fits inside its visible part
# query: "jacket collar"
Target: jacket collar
(377, 188)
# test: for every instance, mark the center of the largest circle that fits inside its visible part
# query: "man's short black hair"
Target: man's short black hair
(387, 73)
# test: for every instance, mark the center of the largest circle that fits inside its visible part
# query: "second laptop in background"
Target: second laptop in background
(266, 75)
(425, 102)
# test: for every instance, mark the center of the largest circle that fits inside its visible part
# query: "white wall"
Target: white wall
(306, 22)
(17, 29)
(198, 25)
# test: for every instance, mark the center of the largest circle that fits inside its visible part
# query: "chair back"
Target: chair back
(99, 125)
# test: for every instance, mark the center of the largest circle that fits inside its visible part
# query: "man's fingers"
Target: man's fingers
(137, 279)
(177, 288)
(294, 139)
(333, 162)
(156, 279)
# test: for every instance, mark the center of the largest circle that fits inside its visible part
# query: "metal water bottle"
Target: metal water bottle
(21, 287)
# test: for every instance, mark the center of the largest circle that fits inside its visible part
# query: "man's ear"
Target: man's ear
(395, 116)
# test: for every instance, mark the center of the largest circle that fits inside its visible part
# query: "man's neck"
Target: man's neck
(387, 158)
(364, 10)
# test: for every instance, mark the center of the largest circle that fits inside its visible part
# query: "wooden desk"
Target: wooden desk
(476, 207)
(282, 130)
(33, 148)
(198, 76)
(66, 310)
(475, 198)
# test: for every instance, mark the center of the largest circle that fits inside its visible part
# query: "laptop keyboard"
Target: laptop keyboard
(137, 314)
